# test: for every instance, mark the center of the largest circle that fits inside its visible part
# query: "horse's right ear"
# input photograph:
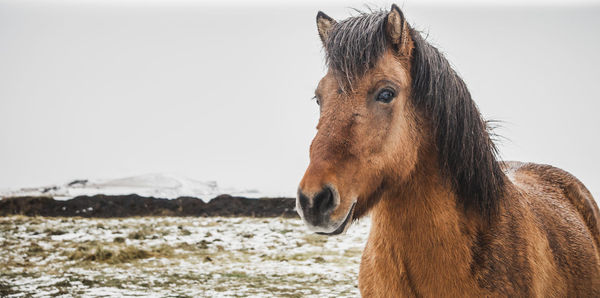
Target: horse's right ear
(324, 25)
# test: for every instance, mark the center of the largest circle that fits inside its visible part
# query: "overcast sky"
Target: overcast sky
(105, 89)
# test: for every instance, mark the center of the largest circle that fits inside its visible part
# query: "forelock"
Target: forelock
(354, 45)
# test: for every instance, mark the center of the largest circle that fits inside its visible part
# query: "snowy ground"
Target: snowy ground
(158, 185)
(183, 257)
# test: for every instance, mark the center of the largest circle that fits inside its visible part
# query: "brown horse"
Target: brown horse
(400, 138)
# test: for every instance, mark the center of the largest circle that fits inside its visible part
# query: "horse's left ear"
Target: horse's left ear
(397, 31)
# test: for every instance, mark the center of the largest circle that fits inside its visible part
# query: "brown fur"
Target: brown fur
(541, 240)
(540, 244)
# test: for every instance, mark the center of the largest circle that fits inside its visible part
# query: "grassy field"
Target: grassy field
(176, 257)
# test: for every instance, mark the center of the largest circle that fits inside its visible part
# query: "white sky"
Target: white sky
(336, 2)
(100, 89)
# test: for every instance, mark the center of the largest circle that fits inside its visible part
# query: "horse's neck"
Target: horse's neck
(419, 229)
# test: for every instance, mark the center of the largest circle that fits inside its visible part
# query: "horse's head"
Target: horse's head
(367, 128)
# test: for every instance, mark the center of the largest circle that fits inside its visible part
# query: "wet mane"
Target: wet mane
(465, 151)
(355, 44)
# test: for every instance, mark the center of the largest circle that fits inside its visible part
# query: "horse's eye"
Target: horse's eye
(317, 100)
(385, 95)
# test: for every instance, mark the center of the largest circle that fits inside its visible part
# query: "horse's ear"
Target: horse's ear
(397, 31)
(324, 25)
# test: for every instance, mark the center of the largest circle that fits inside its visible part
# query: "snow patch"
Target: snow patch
(150, 185)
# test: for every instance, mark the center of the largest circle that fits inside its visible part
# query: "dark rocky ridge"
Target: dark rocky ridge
(134, 205)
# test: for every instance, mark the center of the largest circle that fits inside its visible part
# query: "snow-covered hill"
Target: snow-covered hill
(149, 185)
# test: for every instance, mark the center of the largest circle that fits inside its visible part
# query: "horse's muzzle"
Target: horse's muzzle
(316, 211)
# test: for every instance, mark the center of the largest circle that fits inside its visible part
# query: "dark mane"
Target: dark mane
(465, 151)
(355, 44)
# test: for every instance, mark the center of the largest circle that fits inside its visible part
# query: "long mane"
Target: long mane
(466, 153)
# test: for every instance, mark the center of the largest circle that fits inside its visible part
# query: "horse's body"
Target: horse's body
(544, 243)
(399, 137)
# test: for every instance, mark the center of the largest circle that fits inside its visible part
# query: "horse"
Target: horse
(400, 139)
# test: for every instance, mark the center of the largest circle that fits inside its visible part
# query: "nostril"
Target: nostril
(303, 200)
(324, 201)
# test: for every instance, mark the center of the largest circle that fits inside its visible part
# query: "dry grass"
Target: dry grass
(119, 255)
(180, 257)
